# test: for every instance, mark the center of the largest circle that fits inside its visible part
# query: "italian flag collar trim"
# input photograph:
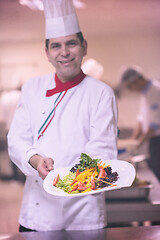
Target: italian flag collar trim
(60, 86)
(51, 115)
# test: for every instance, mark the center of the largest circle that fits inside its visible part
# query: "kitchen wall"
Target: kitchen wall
(112, 46)
(142, 49)
(21, 61)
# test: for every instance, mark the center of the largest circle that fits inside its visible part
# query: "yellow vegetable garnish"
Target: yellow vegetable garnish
(88, 183)
(102, 166)
(74, 185)
(87, 190)
(85, 176)
(95, 173)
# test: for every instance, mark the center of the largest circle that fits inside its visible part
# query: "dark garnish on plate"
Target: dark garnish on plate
(87, 162)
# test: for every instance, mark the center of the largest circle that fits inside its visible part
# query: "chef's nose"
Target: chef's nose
(65, 51)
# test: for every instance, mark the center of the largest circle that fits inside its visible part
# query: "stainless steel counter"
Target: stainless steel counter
(125, 233)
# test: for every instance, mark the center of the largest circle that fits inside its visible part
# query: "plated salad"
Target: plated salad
(88, 175)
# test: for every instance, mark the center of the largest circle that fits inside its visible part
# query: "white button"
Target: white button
(43, 111)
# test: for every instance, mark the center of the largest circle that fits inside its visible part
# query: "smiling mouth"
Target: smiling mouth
(65, 62)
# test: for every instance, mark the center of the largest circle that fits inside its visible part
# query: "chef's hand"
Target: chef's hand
(42, 164)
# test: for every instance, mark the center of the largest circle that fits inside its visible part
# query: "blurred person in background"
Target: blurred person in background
(148, 120)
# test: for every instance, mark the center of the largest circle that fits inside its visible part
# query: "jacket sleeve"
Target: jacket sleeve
(103, 128)
(20, 136)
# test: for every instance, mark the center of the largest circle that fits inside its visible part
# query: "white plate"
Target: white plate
(125, 170)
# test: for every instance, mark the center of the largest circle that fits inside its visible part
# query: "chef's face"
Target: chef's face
(66, 54)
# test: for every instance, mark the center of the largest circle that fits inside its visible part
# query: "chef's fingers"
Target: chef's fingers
(42, 171)
(45, 165)
(49, 163)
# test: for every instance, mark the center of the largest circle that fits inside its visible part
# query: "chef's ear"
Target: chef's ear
(47, 49)
(85, 47)
(47, 54)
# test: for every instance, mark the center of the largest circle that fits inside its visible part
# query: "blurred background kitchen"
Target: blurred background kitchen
(119, 32)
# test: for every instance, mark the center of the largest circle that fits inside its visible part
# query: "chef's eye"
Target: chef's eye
(55, 46)
(71, 43)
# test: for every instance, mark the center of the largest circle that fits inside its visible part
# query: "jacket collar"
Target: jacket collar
(60, 86)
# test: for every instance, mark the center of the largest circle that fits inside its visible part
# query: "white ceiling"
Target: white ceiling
(100, 17)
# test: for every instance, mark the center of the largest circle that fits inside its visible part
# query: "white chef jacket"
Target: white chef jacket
(149, 112)
(85, 121)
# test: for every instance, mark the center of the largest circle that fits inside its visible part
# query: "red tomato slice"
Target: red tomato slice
(93, 186)
(102, 173)
(55, 180)
(81, 186)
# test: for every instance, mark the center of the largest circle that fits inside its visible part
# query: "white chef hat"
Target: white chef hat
(61, 19)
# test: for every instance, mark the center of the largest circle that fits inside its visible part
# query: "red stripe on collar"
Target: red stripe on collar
(60, 86)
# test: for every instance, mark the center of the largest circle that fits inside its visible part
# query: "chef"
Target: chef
(60, 116)
(148, 119)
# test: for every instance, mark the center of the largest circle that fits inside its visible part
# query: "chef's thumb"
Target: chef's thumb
(50, 164)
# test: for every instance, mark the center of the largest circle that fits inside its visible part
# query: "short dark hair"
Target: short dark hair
(79, 35)
(130, 72)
